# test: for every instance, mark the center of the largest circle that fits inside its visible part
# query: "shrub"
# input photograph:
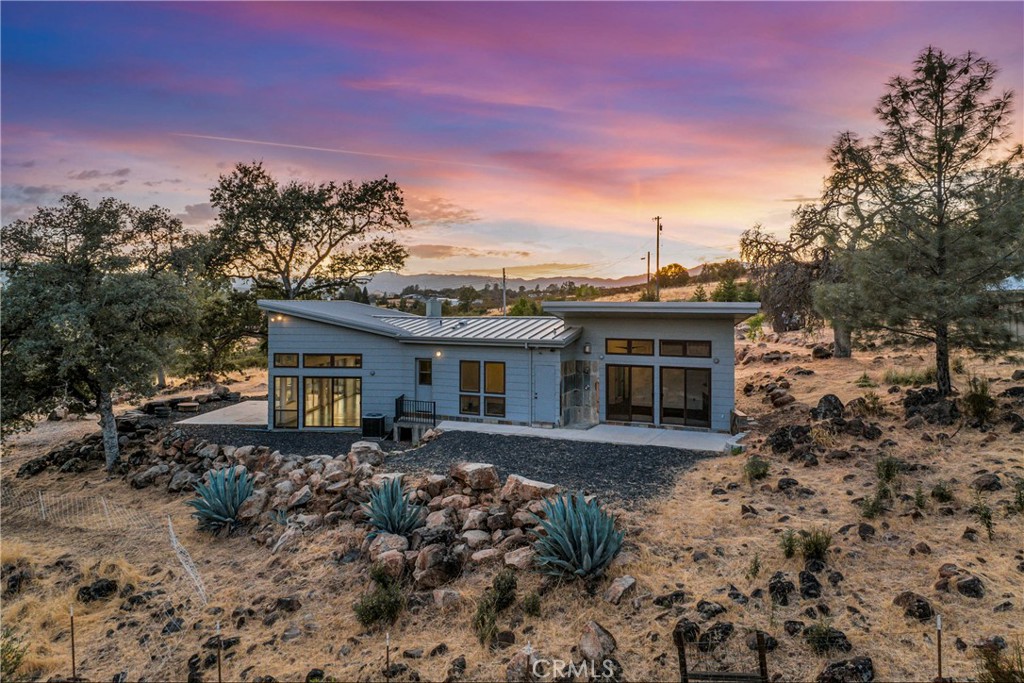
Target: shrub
(995, 666)
(814, 544)
(756, 330)
(531, 605)
(978, 402)
(755, 567)
(888, 469)
(218, 503)
(755, 468)
(788, 542)
(873, 405)
(12, 652)
(504, 587)
(499, 597)
(390, 510)
(958, 365)
(1017, 504)
(910, 377)
(920, 501)
(384, 603)
(865, 382)
(983, 512)
(821, 637)
(579, 539)
(943, 492)
(823, 436)
(874, 505)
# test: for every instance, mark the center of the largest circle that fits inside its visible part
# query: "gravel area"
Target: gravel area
(626, 473)
(288, 442)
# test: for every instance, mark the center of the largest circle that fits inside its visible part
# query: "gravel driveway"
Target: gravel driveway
(627, 473)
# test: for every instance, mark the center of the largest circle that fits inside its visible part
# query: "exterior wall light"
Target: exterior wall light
(586, 347)
(437, 354)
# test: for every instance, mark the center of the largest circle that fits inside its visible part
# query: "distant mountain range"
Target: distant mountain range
(394, 283)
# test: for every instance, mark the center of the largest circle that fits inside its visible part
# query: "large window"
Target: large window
(286, 402)
(629, 347)
(286, 360)
(686, 396)
(332, 360)
(332, 402)
(686, 349)
(630, 391)
(490, 396)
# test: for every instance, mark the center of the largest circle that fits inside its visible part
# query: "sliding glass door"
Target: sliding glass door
(630, 393)
(332, 402)
(686, 396)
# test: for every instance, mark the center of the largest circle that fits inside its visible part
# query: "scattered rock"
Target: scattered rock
(709, 610)
(100, 589)
(914, 606)
(715, 636)
(770, 643)
(476, 475)
(856, 670)
(618, 589)
(829, 407)
(779, 588)
(987, 482)
(810, 587)
(596, 643)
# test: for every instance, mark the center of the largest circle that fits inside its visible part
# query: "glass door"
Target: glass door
(686, 396)
(630, 393)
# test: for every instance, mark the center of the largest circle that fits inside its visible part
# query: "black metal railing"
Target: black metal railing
(409, 410)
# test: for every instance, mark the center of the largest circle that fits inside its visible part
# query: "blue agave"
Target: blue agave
(392, 511)
(218, 502)
(577, 538)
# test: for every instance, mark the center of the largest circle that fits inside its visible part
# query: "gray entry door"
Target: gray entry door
(545, 394)
(424, 372)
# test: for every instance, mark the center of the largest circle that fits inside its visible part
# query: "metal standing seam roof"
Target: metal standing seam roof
(484, 329)
(405, 327)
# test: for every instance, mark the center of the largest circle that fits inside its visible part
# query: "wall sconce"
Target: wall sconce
(586, 347)
(278, 318)
(437, 354)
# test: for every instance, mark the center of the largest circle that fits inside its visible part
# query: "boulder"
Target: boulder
(384, 542)
(856, 670)
(810, 587)
(715, 636)
(100, 589)
(770, 643)
(365, 452)
(485, 555)
(300, 497)
(476, 475)
(520, 489)
(596, 643)
(476, 539)
(436, 565)
(709, 610)
(779, 588)
(914, 606)
(182, 480)
(147, 477)
(393, 562)
(987, 482)
(829, 407)
(970, 586)
(520, 668)
(521, 558)
(820, 352)
(253, 506)
(443, 597)
(475, 519)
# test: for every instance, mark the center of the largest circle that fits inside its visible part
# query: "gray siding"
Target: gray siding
(719, 332)
(389, 368)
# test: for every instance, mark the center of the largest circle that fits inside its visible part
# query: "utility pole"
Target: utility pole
(503, 289)
(648, 290)
(657, 258)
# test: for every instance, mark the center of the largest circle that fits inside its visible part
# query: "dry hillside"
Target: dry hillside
(713, 540)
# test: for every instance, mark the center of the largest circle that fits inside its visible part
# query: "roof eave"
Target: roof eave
(269, 305)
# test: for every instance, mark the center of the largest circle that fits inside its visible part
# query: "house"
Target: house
(338, 364)
(1011, 301)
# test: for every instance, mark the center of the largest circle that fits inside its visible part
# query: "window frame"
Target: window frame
(486, 390)
(629, 346)
(462, 406)
(429, 363)
(686, 353)
(333, 362)
(298, 401)
(278, 363)
(463, 364)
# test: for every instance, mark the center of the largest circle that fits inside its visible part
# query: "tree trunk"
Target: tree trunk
(843, 346)
(943, 381)
(109, 426)
(161, 378)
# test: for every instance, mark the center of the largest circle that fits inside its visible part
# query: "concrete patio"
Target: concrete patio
(712, 442)
(246, 413)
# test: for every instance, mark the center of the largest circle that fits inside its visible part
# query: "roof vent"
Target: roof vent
(433, 308)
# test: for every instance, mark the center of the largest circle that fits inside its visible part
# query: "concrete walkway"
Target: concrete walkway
(248, 413)
(712, 442)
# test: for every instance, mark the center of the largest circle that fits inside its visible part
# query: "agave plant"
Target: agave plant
(218, 502)
(392, 511)
(577, 538)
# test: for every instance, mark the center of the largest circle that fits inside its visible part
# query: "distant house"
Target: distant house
(1011, 295)
(337, 364)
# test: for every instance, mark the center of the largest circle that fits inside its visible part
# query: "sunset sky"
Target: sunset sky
(539, 136)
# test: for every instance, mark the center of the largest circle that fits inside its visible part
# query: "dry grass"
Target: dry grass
(660, 544)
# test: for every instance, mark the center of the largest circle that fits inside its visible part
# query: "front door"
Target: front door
(424, 379)
(545, 394)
